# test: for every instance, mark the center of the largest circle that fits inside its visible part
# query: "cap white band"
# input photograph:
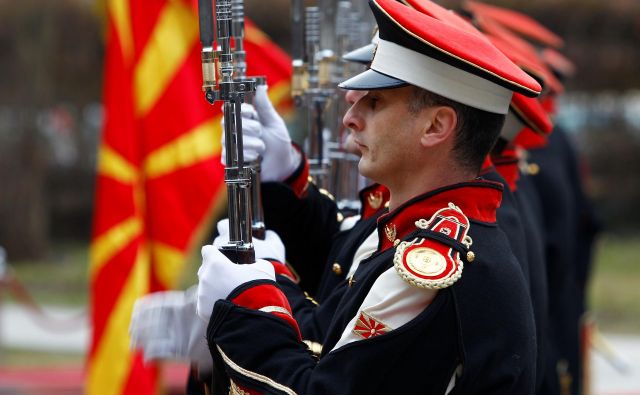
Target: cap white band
(512, 126)
(440, 78)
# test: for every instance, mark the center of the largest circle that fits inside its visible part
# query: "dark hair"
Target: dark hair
(476, 131)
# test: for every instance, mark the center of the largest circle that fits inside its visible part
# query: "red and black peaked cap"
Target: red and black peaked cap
(363, 55)
(525, 112)
(461, 65)
(517, 22)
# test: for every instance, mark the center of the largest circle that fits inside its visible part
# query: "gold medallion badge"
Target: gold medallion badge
(426, 261)
(432, 261)
(426, 267)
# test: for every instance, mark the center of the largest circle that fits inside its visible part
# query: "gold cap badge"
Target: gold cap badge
(375, 199)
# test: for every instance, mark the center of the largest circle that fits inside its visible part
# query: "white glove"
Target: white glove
(253, 146)
(164, 325)
(269, 248)
(218, 276)
(280, 158)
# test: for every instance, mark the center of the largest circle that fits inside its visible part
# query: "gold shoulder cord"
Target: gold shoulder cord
(314, 347)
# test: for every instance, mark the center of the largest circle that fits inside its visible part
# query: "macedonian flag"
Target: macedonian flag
(159, 175)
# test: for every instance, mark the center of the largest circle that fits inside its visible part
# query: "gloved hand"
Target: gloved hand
(218, 276)
(269, 248)
(280, 158)
(265, 134)
(164, 325)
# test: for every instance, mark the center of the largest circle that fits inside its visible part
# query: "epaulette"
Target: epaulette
(433, 258)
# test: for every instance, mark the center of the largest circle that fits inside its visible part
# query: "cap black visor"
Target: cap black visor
(371, 80)
(362, 55)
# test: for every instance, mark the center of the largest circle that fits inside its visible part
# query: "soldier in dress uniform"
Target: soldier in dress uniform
(564, 210)
(441, 306)
(560, 158)
(352, 244)
(508, 162)
(514, 215)
(562, 198)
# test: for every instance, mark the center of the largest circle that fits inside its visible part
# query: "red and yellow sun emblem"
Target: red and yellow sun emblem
(367, 326)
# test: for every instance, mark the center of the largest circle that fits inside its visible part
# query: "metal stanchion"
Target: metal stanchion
(3, 281)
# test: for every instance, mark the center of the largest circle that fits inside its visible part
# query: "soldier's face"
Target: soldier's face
(384, 132)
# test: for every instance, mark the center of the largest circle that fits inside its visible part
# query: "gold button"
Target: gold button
(351, 281)
(337, 269)
(470, 256)
(533, 169)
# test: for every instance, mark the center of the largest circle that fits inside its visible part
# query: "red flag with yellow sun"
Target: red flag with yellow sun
(159, 174)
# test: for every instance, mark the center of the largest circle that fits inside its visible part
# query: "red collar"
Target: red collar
(477, 199)
(373, 199)
(507, 164)
(487, 165)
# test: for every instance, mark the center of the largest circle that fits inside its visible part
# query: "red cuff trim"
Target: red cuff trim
(299, 180)
(270, 298)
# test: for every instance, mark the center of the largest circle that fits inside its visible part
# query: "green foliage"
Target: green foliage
(59, 279)
(615, 285)
(25, 358)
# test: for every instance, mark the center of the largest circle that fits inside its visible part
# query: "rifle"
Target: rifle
(327, 31)
(345, 180)
(258, 227)
(310, 75)
(219, 85)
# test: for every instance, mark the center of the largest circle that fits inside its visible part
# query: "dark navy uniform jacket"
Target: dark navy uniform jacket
(346, 242)
(563, 202)
(483, 322)
(520, 217)
(341, 248)
(532, 217)
(510, 221)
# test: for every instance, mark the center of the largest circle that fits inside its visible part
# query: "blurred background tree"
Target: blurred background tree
(50, 73)
(51, 55)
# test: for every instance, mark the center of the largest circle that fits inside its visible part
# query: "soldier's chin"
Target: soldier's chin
(366, 170)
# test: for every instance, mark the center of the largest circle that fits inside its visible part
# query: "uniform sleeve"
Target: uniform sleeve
(313, 318)
(262, 353)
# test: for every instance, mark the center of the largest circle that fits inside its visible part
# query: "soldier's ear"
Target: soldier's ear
(441, 127)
